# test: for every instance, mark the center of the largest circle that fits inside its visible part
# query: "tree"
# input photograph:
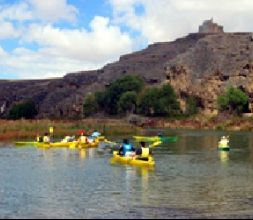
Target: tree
(127, 102)
(191, 106)
(118, 88)
(90, 105)
(159, 102)
(26, 110)
(168, 101)
(234, 101)
(148, 102)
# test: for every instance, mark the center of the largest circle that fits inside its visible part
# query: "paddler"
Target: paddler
(224, 142)
(96, 134)
(83, 139)
(46, 138)
(143, 151)
(39, 139)
(126, 149)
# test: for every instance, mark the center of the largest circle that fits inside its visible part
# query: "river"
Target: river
(191, 179)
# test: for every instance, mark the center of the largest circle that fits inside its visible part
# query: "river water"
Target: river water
(191, 180)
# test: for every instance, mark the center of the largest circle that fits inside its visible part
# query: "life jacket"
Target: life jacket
(39, 139)
(83, 140)
(127, 148)
(145, 152)
(95, 134)
(223, 143)
(46, 139)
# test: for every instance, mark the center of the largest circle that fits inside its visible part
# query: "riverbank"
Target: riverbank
(227, 123)
(28, 129)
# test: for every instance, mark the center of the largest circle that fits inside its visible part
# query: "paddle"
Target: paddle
(155, 144)
(156, 138)
(110, 142)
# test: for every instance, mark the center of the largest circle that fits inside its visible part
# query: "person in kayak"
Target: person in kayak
(39, 138)
(143, 151)
(224, 142)
(83, 139)
(95, 134)
(126, 149)
(68, 139)
(94, 137)
(46, 139)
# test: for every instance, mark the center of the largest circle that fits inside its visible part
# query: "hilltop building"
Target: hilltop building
(210, 27)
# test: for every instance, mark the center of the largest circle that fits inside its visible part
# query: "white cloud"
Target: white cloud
(53, 10)
(7, 30)
(103, 43)
(19, 11)
(166, 20)
(66, 50)
(43, 10)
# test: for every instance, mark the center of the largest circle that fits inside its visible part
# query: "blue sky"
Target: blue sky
(42, 39)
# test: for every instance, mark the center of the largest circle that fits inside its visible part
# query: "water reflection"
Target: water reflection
(138, 182)
(190, 179)
(224, 156)
(87, 153)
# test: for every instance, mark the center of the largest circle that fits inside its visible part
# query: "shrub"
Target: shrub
(159, 102)
(191, 106)
(90, 105)
(127, 102)
(118, 88)
(26, 110)
(234, 101)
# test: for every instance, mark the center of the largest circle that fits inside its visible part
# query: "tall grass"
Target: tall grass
(28, 129)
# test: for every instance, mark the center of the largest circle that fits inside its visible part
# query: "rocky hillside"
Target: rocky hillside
(202, 65)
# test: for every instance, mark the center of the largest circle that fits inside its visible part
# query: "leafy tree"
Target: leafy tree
(118, 88)
(127, 102)
(26, 110)
(168, 101)
(234, 101)
(191, 106)
(149, 102)
(159, 102)
(90, 105)
(100, 98)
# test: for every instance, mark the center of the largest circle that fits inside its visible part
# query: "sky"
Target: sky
(49, 38)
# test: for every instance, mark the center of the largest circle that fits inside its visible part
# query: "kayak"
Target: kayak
(71, 145)
(147, 162)
(75, 145)
(156, 138)
(25, 143)
(45, 145)
(224, 148)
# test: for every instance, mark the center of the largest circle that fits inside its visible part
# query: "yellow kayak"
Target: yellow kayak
(45, 145)
(149, 162)
(76, 144)
(53, 145)
(71, 145)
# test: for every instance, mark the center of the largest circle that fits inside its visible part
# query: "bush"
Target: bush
(191, 106)
(127, 102)
(234, 101)
(118, 88)
(26, 110)
(90, 105)
(159, 102)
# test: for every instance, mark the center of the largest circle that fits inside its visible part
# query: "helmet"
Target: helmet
(81, 132)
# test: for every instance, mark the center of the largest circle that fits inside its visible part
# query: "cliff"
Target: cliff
(200, 64)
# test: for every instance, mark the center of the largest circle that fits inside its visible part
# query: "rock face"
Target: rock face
(201, 65)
